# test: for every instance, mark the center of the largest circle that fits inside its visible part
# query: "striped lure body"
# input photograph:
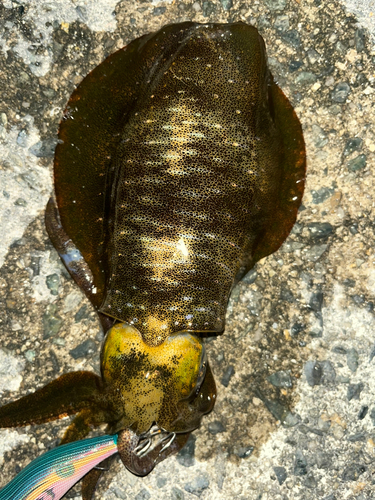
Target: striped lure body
(180, 164)
(51, 475)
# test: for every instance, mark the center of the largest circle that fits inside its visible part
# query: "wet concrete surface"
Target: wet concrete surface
(295, 415)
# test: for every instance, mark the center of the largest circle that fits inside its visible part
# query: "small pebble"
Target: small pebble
(341, 379)
(119, 492)
(22, 138)
(354, 391)
(352, 357)
(292, 37)
(142, 495)
(315, 252)
(276, 408)
(359, 40)
(359, 436)
(53, 283)
(339, 350)
(228, 374)
(349, 283)
(372, 416)
(305, 78)
(197, 485)
(294, 65)
(319, 230)
(177, 494)
(250, 277)
(316, 301)
(313, 56)
(300, 464)
(372, 353)
(353, 471)
(323, 460)
(281, 23)
(281, 474)
(291, 419)
(216, 427)
(361, 80)
(54, 360)
(357, 164)
(20, 202)
(185, 457)
(264, 21)
(286, 294)
(82, 313)
(352, 144)
(226, 4)
(52, 322)
(281, 379)
(208, 8)
(44, 149)
(341, 92)
(244, 451)
(161, 481)
(72, 300)
(319, 136)
(30, 355)
(275, 4)
(82, 350)
(321, 195)
(329, 373)
(313, 373)
(310, 481)
(297, 328)
(362, 412)
(158, 11)
(335, 109)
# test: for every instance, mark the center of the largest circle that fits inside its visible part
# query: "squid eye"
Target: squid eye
(202, 371)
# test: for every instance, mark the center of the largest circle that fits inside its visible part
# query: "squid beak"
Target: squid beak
(140, 454)
(51, 475)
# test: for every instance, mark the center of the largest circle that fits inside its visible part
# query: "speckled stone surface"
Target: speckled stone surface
(295, 416)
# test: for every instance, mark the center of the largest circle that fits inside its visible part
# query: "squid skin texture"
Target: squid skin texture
(180, 165)
(198, 173)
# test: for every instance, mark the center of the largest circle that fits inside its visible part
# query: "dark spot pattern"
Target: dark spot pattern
(194, 174)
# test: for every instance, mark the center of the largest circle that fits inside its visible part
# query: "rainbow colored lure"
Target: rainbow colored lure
(51, 475)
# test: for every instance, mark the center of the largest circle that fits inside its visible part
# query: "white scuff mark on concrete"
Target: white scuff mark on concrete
(10, 440)
(39, 61)
(365, 13)
(11, 368)
(72, 300)
(45, 16)
(370, 285)
(342, 321)
(98, 15)
(26, 186)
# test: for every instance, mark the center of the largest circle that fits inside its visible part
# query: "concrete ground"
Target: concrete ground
(295, 416)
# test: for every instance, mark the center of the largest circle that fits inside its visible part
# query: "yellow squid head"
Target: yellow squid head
(170, 385)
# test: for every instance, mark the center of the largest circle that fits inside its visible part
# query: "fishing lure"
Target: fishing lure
(51, 475)
(180, 164)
